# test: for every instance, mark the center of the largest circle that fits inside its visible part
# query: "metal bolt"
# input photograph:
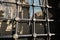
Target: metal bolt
(15, 36)
(49, 6)
(18, 2)
(33, 4)
(51, 34)
(34, 19)
(17, 18)
(50, 20)
(34, 35)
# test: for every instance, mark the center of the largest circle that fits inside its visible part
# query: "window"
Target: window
(25, 20)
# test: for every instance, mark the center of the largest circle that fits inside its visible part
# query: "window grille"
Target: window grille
(25, 20)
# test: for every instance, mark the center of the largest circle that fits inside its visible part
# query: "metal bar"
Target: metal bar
(48, 27)
(6, 36)
(33, 19)
(33, 16)
(4, 19)
(27, 35)
(22, 14)
(42, 34)
(16, 39)
(16, 27)
(15, 36)
(16, 16)
(33, 22)
(21, 4)
(7, 2)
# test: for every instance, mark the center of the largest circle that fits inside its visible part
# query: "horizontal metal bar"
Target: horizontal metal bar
(32, 35)
(8, 2)
(5, 20)
(25, 19)
(50, 20)
(29, 35)
(39, 19)
(41, 34)
(44, 20)
(6, 36)
(51, 34)
(21, 4)
(18, 19)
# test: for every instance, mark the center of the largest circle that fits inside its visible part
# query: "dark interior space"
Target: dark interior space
(55, 10)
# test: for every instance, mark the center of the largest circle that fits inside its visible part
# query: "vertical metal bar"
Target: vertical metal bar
(33, 16)
(16, 27)
(16, 39)
(47, 17)
(43, 4)
(21, 10)
(22, 14)
(48, 27)
(18, 11)
(17, 15)
(34, 20)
